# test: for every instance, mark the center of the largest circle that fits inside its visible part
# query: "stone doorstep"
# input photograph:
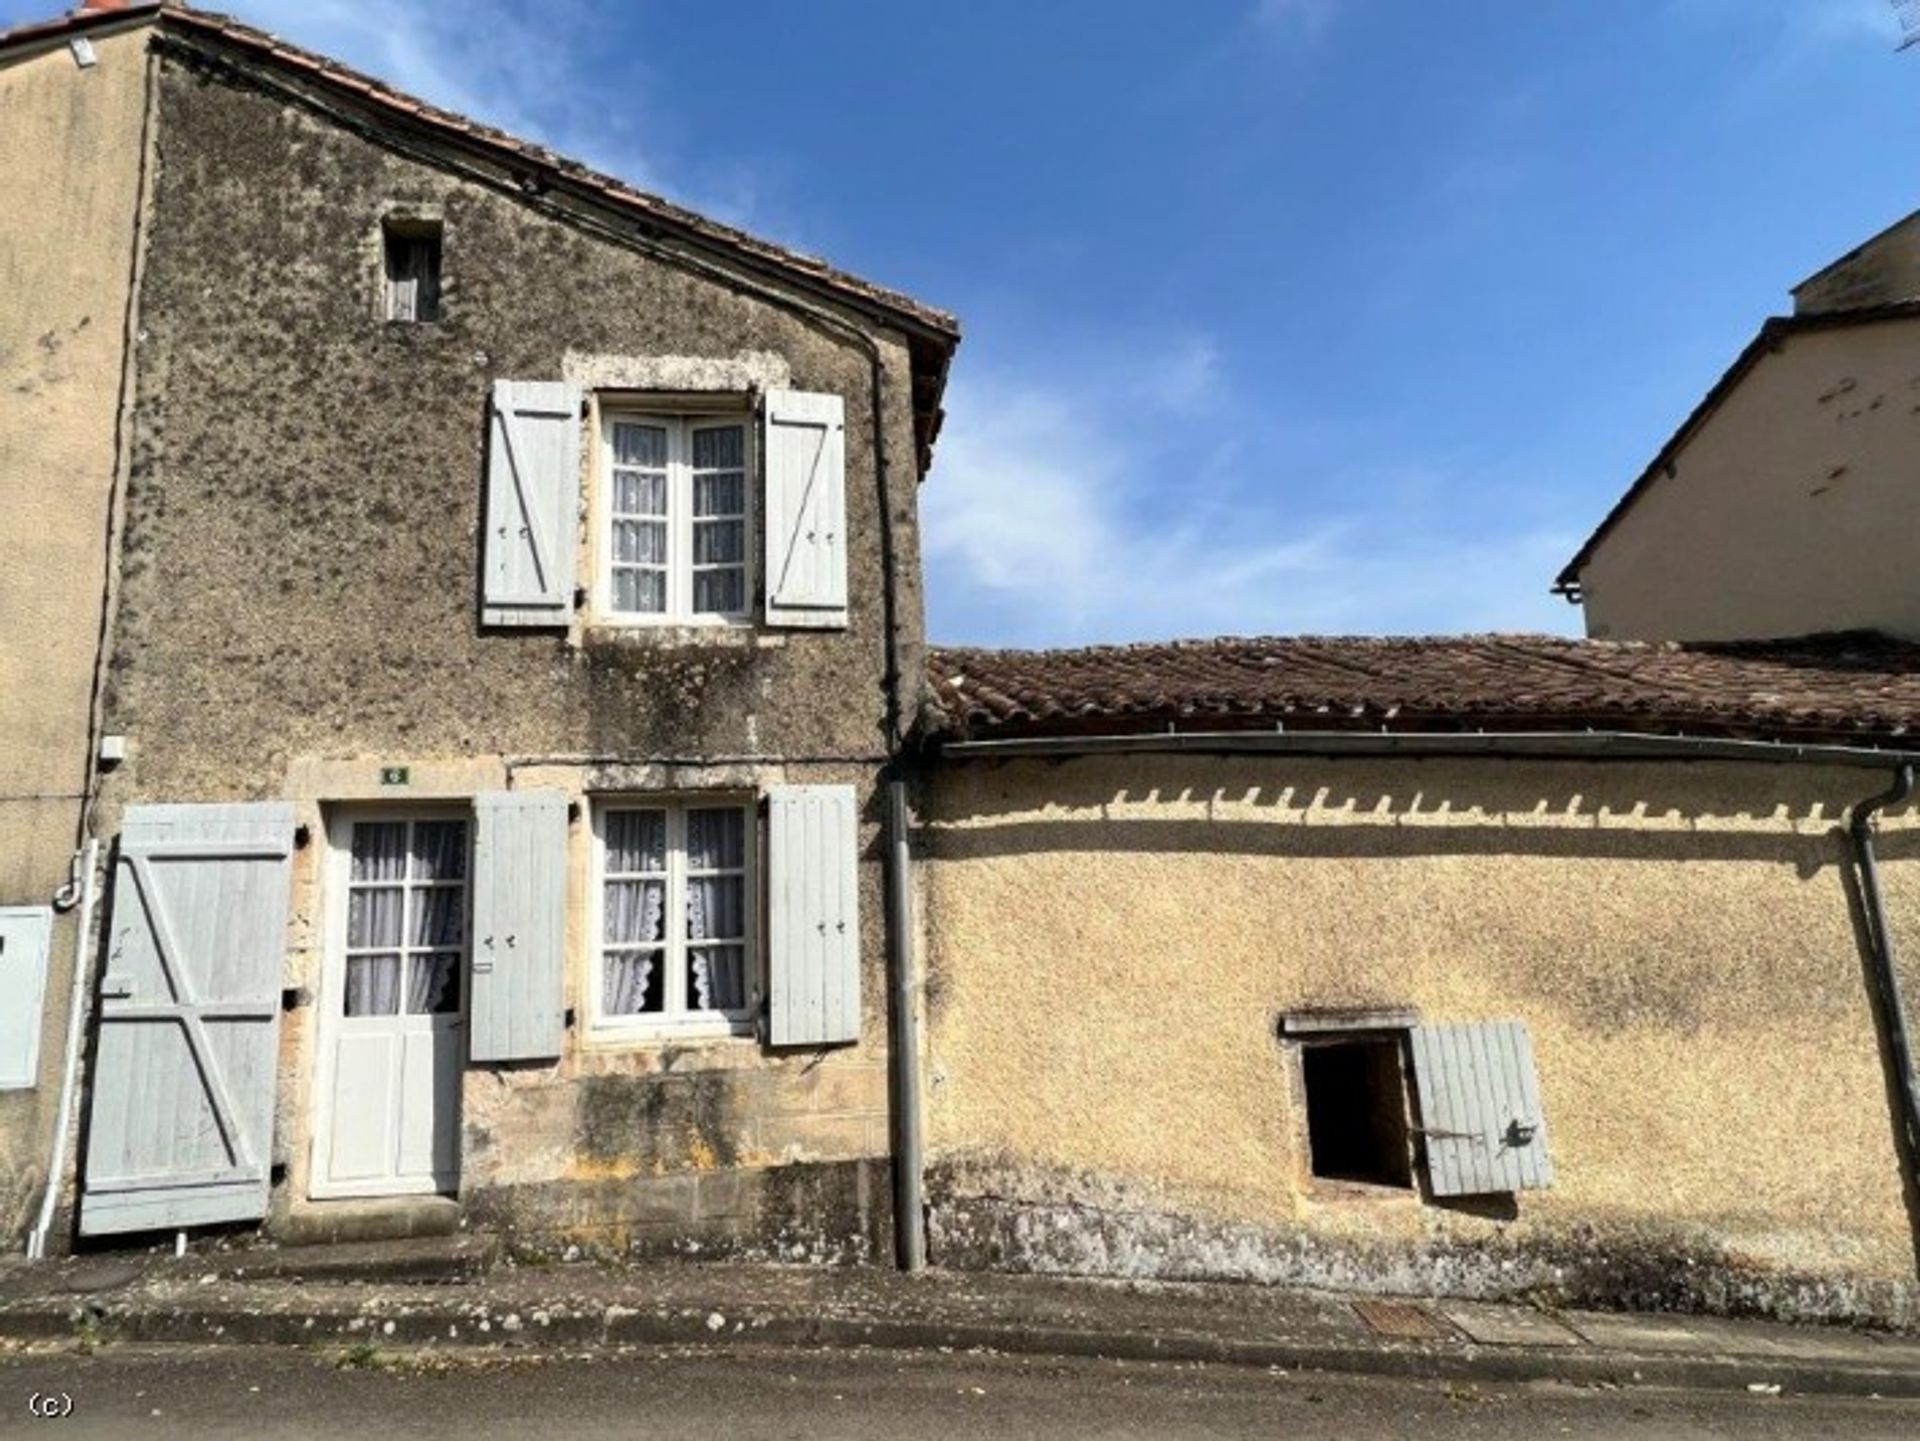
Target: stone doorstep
(396, 1218)
(450, 1259)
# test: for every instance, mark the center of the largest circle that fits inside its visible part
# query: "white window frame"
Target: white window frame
(340, 827)
(679, 425)
(675, 1021)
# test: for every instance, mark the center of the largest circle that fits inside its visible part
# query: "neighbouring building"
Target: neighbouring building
(1499, 966)
(470, 760)
(1787, 503)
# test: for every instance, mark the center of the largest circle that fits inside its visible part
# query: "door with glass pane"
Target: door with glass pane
(392, 1034)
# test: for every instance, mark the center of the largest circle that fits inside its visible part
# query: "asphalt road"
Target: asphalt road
(737, 1392)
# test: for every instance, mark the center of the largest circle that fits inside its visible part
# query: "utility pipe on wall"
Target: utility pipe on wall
(909, 1209)
(57, 1162)
(1886, 969)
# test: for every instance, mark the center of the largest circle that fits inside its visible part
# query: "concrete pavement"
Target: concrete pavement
(692, 1393)
(264, 1297)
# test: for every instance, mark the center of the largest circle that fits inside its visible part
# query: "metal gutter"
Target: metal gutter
(1886, 969)
(909, 1207)
(1550, 745)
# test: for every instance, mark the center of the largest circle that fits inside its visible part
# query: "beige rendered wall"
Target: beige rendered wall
(1111, 945)
(1884, 271)
(1793, 509)
(70, 143)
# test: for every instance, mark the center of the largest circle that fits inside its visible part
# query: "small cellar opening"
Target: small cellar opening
(1357, 1111)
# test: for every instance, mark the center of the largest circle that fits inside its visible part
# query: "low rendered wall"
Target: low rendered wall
(1111, 944)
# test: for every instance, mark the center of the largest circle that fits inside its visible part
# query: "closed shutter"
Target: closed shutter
(26, 932)
(181, 1121)
(533, 503)
(519, 926)
(1480, 1109)
(804, 443)
(813, 967)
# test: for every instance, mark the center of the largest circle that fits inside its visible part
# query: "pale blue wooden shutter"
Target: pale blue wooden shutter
(813, 916)
(519, 926)
(804, 450)
(533, 503)
(181, 1118)
(1480, 1112)
(26, 933)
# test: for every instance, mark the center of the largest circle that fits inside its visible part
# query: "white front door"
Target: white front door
(393, 1018)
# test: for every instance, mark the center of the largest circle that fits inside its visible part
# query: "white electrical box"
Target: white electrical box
(26, 935)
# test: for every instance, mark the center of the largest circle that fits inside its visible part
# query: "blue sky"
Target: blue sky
(1281, 315)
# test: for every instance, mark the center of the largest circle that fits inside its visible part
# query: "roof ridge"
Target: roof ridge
(330, 70)
(1848, 684)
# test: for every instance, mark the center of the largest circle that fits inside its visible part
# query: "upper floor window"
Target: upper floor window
(412, 269)
(674, 533)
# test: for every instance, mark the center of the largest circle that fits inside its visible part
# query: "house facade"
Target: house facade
(511, 601)
(470, 759)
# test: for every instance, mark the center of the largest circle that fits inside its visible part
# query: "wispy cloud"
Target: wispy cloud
(1796, 27)
(1299, 17)
(537, 71)
(1060, 514)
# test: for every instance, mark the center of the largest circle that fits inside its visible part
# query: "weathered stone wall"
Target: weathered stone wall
(1114, 943)
(299, 609)
(69, 167)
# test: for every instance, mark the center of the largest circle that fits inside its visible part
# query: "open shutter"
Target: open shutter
(533, 502)
(1480, 1112)
(813, 977)
(181, 1119)
(26, 933)
(804, 443)
(519, 925)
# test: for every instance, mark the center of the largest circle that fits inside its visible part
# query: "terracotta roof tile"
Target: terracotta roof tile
(1854, 687)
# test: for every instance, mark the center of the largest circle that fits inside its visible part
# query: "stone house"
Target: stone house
(1786, 504)
(470, 759)
(496, 581)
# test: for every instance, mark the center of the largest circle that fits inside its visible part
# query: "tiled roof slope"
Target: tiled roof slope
(694, 226)
(1857, 688)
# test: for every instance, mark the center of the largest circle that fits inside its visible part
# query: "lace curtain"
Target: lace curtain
(716, 841)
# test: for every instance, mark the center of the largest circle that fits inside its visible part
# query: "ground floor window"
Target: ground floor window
(1357, 1128)
(675, 895)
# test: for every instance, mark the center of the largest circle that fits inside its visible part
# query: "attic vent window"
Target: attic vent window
(412, 270)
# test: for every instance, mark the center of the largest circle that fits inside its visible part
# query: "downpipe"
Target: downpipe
(1886, 970)
(909, 1204)
(76, 1001)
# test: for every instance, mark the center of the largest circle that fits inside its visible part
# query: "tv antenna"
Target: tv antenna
(1909, 13)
